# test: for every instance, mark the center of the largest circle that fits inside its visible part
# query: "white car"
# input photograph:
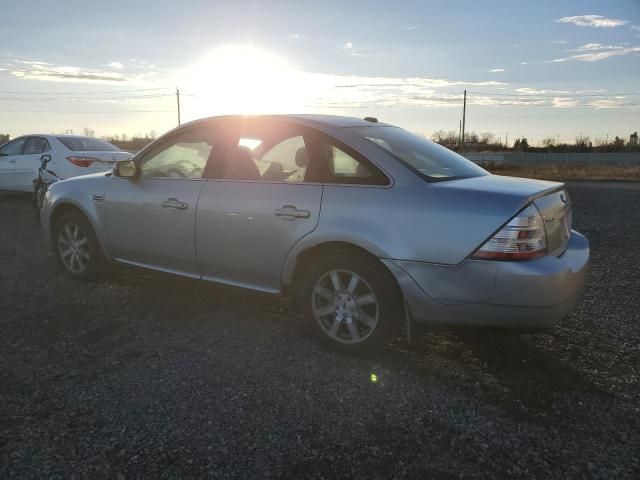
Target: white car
(71, 156)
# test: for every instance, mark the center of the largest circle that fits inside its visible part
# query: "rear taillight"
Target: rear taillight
(82, 161)
(523, 238)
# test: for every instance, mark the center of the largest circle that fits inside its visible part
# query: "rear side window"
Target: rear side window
(14, 147)
(35, 145)
(268, 152)
(343, 165)
(87, 144)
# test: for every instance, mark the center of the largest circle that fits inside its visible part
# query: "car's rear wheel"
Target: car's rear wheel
(351, 302)
(76, 246)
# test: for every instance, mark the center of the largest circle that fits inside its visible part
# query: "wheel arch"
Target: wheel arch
(64, 207)
(304, 259)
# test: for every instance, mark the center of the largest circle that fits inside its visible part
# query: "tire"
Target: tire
(81, 260)
(357, 317)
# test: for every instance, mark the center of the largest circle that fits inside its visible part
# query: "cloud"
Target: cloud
(348, 46)
(596, 21)
(635, 27)
(597, 55)
(524, 63)
(116, 65)
(31, 62)
(496, 70)
(590, 47)
(411, 28)
(559, 42)
(294, 36)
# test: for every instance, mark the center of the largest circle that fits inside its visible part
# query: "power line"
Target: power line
(84, 93)
(92, 112)
(553, 95)
(49, 99)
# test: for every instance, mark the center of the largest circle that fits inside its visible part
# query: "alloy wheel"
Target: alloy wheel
(73, 247)
(345, 306)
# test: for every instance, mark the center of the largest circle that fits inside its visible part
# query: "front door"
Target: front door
(28, 163)
(150, 219)
(259, 203)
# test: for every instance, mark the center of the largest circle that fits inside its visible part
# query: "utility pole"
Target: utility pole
(460, 133)
(464, 115)
(178, 101)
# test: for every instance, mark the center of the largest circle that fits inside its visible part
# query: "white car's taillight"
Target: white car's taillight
(523, 238)
(79, 161)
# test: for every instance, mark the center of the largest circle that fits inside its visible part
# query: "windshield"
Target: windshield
(428, 158)
(87, 144)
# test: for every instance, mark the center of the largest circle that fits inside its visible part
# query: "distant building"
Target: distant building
(633, 139)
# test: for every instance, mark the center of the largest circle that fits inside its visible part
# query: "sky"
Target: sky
(538, 68)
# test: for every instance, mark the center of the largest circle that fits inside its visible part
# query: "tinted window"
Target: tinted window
(269, 153)
(14, 147)
(426, 157)
(184, 156)
(35, 145)
(87, 144)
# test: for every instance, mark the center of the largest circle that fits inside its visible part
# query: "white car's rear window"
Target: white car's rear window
(86, 144)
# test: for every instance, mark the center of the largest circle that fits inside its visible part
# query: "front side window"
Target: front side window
(184, 156)
(269, 154)
(35, 145)
(424, 156)
(14, 147)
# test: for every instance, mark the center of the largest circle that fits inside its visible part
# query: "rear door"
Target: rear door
(9, 154)
(28, 163)
(257, 203)
(151, 219)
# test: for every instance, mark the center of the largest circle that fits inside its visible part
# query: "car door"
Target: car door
(258, 202)
(28, 163)
(150, 219)
(9, 153)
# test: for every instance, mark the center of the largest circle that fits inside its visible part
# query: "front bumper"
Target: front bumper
(528, 295)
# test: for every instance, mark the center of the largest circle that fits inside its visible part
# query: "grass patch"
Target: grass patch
(583, 171)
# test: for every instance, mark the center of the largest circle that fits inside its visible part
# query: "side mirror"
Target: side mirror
(125, 169)
(44, 159)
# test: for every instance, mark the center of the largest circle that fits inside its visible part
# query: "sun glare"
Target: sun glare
(243, 79)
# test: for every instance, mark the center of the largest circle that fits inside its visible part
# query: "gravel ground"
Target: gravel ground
(143, 376)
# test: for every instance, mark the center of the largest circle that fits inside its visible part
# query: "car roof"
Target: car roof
(324, 122)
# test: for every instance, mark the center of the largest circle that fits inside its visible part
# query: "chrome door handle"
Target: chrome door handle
(289, 212)
(174, 203)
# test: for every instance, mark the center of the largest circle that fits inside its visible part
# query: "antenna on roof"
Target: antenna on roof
(371, 119)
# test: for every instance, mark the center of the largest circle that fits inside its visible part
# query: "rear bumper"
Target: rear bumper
(527, 295)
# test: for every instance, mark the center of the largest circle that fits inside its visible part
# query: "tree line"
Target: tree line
(489, 142)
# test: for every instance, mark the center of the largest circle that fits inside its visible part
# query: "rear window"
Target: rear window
(424, 156)
(86, 144)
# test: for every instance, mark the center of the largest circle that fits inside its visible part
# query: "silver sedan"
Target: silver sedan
(366, 225)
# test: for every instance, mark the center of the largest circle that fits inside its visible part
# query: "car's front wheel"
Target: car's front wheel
(351, 302)
(76, 246)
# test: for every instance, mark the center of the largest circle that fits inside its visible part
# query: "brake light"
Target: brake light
(523, 238)
(82, 161)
